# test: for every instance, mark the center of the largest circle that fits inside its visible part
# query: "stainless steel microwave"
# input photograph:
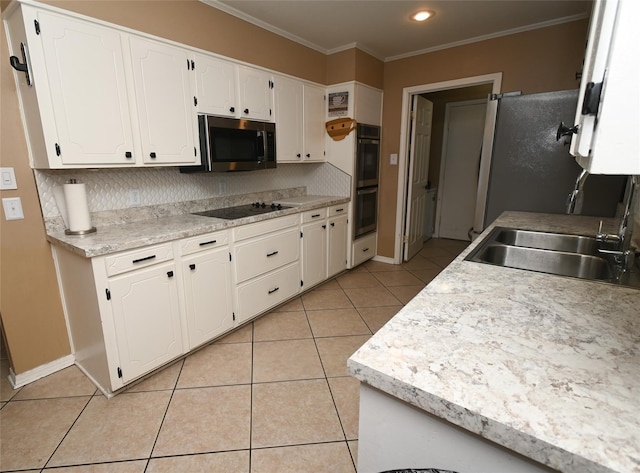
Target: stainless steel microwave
(230, 144)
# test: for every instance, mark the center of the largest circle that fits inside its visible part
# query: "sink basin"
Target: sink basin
(552, 253)
(546, 261)
(548, 241)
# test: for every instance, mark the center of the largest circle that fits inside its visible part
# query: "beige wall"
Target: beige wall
(30, 305)
(535, 61)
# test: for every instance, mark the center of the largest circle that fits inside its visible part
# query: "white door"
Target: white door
(459, 168)
(314, 253)
(337, 247)
(418, 175)
(314, 124)
(166, 108)
(84, 66)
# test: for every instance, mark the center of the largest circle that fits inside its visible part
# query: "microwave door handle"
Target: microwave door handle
(372, 190)
(263, 136)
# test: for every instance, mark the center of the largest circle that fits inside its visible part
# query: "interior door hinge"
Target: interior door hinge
(405, 239)
(119, 372)
(108, 292)
(37, 26)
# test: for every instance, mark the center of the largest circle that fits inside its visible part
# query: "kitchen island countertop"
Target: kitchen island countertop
(125, 236)
(544, 365)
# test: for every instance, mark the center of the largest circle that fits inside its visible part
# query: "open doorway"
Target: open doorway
(441, 94)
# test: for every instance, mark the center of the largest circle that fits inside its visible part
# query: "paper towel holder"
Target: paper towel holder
(80, 232)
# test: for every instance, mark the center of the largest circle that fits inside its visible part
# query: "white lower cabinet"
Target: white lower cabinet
(146, 318)
(134, 311)
(267, 291)
(206, 281)
(337, 226)
(266, 258)
(314, 247)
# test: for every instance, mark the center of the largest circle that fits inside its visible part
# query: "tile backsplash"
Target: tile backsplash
(110, 189)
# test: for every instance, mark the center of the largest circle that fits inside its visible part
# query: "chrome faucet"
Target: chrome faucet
(618, 246)
(576, 198)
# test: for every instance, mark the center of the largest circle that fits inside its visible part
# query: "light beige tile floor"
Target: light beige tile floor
(273, 396)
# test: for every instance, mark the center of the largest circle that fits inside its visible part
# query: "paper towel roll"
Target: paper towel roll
(78, 215)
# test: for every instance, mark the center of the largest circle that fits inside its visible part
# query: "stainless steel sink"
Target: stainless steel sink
(548, 241)
(552, 253)
(546, 261)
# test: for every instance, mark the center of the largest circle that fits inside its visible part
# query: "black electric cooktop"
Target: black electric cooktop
(241, 211)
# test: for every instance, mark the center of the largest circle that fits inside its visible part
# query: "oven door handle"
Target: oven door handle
(371, 190)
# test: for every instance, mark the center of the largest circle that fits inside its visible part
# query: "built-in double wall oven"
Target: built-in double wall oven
(367, 168)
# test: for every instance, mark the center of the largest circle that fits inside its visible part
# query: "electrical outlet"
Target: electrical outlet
(134, 198)
(12, 208)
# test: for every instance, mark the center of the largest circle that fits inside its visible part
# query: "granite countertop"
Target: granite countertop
(547, 366)
(152, 230)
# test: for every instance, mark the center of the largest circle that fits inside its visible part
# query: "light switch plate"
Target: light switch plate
(394, 159)
(12, 208)
(7, 179)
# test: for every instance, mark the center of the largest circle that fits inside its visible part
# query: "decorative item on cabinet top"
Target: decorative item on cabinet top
(339, 128)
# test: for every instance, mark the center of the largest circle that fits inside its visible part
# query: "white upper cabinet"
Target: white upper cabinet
(226, 89)
(288, 106)
(255, 90)
(164, 89)
(216, 86)
(77, 69)
(608, 114)
(300, 121)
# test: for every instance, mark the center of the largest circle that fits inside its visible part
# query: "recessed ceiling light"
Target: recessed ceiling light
(422, 15)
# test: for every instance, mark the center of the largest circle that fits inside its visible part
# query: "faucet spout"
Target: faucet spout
(576, 198)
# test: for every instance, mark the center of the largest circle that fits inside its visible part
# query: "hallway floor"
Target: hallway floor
(273, 396)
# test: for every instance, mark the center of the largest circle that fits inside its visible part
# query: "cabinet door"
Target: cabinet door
(165, 102)
(288, 98)
(208, 296)
(85, 74)
(314, 253)
(314, 124)
(337, 247)
(256, 94)
(216, 82)
(146, 317)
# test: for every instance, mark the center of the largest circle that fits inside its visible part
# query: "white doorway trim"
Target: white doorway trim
(407, 94)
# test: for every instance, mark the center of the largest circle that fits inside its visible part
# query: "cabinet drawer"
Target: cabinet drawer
(258, 256)
(268, 291)
(341, 209)
(129, 260)
(364, 248)
(267, 226)
(204, 242)
(313, 215)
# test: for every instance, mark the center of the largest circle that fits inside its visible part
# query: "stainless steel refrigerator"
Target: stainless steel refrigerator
(532, 171)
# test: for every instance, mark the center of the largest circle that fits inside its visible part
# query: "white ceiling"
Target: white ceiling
(383, 28)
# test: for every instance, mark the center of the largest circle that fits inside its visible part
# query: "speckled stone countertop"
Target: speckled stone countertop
(547, 366)
(170, 224)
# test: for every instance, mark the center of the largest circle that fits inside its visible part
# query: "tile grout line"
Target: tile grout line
(164, 416)
(68, 430)
(253, 336)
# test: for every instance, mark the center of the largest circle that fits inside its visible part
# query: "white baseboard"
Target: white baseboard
(384, 259)
(22, 379)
